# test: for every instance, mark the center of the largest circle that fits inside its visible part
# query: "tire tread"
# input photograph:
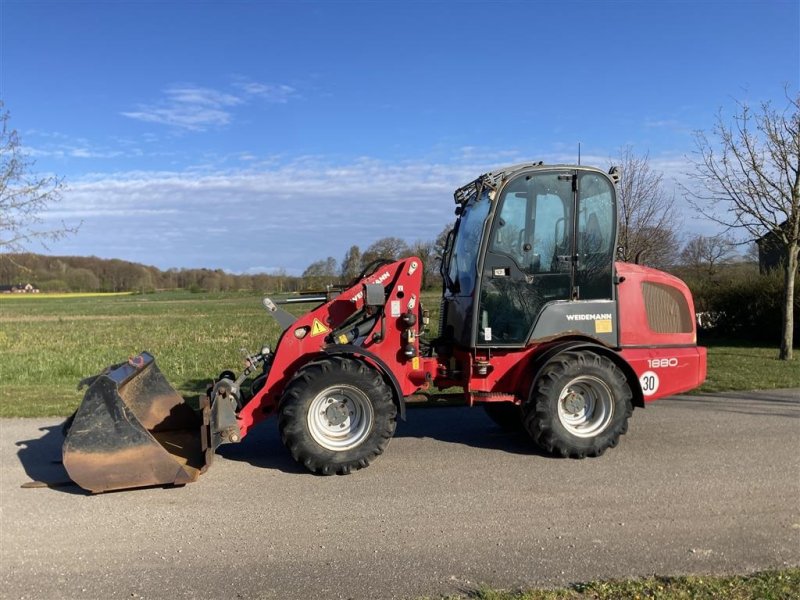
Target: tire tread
(301, 389)
(540, 412)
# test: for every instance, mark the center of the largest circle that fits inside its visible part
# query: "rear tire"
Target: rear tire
(580, 405)
(336, 415)
(505, 414)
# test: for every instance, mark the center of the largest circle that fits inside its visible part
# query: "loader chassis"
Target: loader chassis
(538, 324)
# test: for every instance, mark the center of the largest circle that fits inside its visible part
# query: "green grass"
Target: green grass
(744, 366)
(769, 585)
(48, 345)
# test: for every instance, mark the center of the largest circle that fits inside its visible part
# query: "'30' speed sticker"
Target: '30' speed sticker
(649, 383)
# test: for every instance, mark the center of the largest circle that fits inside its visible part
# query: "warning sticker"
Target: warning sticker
(602, 326)
(318, 328)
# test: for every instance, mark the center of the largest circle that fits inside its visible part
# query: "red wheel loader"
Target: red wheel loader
(538, 324)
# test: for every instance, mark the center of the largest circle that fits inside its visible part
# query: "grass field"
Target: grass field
(769, 585)
(48, 344)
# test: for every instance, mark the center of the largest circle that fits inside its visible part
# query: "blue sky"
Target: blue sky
(253, 136)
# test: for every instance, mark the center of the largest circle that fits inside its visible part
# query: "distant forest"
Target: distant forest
(92, 274)
(702, 262)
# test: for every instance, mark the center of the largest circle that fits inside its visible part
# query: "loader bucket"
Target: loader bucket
(134, 430)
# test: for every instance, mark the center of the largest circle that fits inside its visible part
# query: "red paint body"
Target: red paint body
(656, 350)
(675, 360)
(403, 279)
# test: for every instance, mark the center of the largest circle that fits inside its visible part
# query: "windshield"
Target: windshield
(462, 263)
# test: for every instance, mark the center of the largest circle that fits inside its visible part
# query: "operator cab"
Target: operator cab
(531, 256)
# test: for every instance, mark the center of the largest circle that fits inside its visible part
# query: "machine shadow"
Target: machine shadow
(466, 426)
(262, 447)
(41, 459)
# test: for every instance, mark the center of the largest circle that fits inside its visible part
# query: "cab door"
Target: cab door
(529, 259)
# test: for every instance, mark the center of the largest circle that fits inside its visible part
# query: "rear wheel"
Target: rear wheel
(336, 415)
(580, 405)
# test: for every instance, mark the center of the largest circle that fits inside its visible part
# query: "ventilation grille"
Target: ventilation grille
(666, 307)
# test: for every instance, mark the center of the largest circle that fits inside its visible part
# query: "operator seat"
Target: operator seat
(592, 236)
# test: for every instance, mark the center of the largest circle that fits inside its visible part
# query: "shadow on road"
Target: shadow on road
(41, 459)
(467, 426)
(262, 448)
(471, 427)
(455, 425)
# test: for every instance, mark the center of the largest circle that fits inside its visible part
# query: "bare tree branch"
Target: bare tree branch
(647, 217)
(747, 178)
(704, 254)
(24, 196)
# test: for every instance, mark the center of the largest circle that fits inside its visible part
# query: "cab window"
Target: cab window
(596, 237)
(533, 227)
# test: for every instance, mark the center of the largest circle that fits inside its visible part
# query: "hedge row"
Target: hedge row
(745, 307)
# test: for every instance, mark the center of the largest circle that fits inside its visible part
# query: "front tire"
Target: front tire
(580, 405)
(336, 415)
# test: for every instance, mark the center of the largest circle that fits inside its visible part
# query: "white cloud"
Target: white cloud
(61, 151)
(83, 213)
(673, 125)
(197, 108)
(188, 94)
(188, 107)
(89, 153)
(271, 93)
(282, 214)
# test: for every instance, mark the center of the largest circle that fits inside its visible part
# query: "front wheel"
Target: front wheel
(336, 415)
(580, 405)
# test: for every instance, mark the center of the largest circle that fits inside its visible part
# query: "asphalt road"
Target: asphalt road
(698, 485)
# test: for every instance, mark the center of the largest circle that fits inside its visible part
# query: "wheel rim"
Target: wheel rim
(585, 406)
(340, 417)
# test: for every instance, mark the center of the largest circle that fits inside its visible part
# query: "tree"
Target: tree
(426, 252)
(750, 168)
(704, 254)
(320, 273)
(751, 253)
(439, 245)
(24, 196)
(647, 216)
(279, 278)
(82, 280)
(390, 248)
(351, 264)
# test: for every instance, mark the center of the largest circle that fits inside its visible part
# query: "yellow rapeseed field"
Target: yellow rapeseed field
(63, 295)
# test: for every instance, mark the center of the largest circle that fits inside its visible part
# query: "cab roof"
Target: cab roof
(493, 179)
